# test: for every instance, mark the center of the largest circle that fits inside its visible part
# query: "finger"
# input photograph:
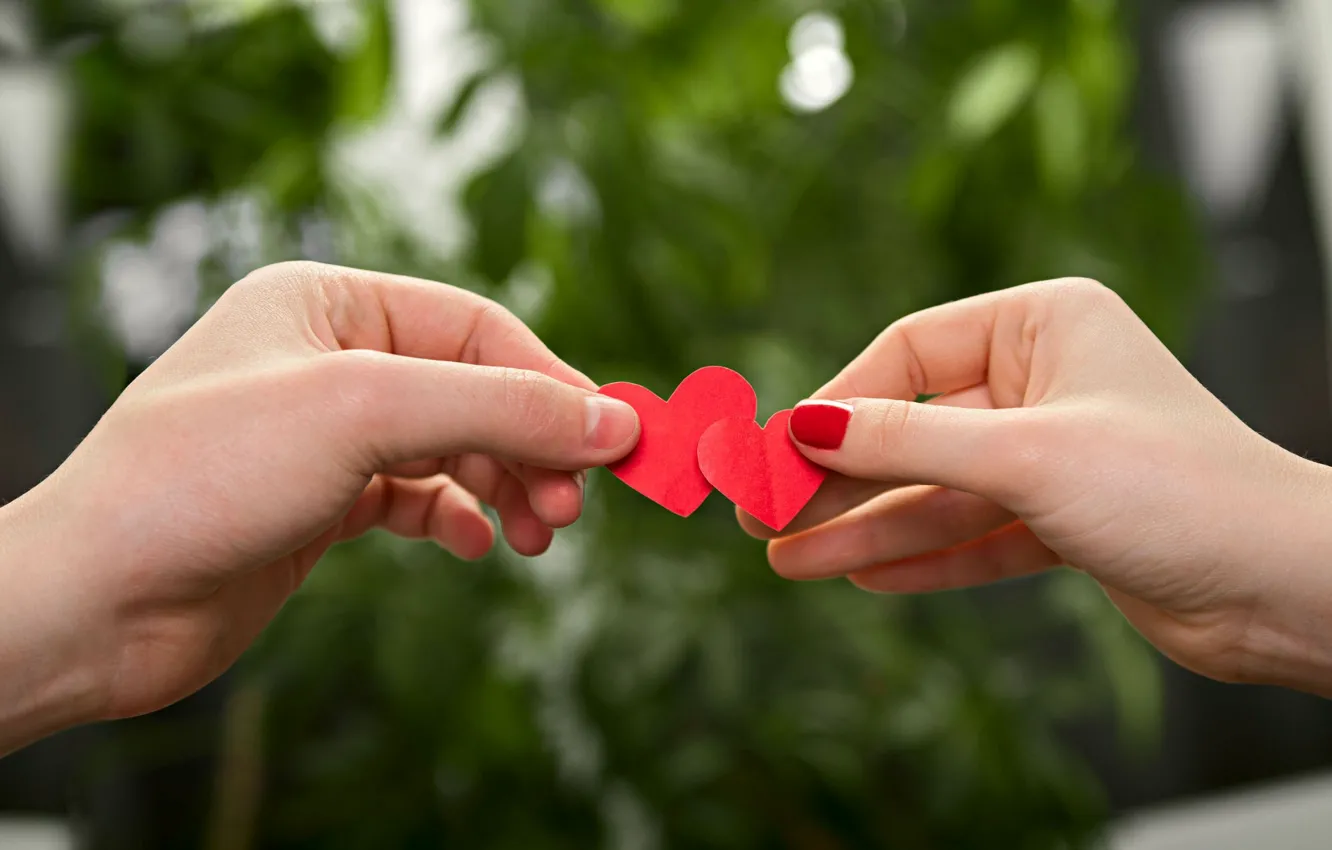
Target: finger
(897, 525)
(441, 509)
(523, 529)
(392, 410)
(1007, 553)
(438, 322)
(939, 350)
(991, 453)
(424, 468)
(840, 494)
(988, 339)
(491, 481)
(421, 318)
(556, 497)
(430, 508)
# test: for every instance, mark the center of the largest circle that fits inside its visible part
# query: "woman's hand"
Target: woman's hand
(1066, 433)
(309, 405)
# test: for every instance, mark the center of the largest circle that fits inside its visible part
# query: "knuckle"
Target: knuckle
(1085, 296)
(899, 338)
(498, 317)
(530, 399)
(1088, 288)
(951, 512)
(903, 325)
(292, 280)
(890, 424)
(1080, 288)
(493, 326)
(293, 273)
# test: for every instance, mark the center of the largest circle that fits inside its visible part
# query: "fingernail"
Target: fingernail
(609, 423)
(580, 478)
(820, 424)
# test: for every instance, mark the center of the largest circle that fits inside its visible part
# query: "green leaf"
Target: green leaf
(500, 204)
(365, 76)
(1061, 133)
(289, 171)
(642, 15)
(933, 181)
(1129, 664)
(992, 90)
(1100, 63)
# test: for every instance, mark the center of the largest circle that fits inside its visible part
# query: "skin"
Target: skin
(1066, 433)
(309, 405)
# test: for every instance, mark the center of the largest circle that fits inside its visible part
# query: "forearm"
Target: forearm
(46, 684)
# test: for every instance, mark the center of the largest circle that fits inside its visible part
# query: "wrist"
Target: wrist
(48, 681)
(1288, 641)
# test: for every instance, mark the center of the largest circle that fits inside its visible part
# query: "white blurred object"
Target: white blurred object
(566, 195)
(1309, 24)
(34, 834)
(15, 27)
(1229, 79)
(339, 23)
(150, 293)
(402, 157)
(820, 72)
(815, 30)
(34, 112)
(1290, 816)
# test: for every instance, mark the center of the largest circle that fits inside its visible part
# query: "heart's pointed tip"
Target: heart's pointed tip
(778, 518)
(775, 525)
(759, 469)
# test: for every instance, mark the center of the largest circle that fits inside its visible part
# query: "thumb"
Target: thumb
(404, 409)
(974, 450)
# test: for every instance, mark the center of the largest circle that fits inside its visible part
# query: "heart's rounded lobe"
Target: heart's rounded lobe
(664, 464)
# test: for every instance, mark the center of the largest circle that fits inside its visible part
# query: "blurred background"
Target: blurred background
(657, 185)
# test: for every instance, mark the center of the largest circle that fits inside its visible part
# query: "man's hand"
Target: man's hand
(309, 405)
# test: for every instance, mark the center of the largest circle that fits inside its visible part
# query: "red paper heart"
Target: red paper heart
(664, 464)
(759, 468)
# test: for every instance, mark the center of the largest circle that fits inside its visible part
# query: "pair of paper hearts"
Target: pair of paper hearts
(705, 436)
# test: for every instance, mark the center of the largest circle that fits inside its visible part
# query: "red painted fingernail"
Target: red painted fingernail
(820, 424)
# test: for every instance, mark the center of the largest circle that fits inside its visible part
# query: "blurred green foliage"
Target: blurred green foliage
(659, 207)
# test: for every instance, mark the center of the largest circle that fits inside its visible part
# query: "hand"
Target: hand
(1066, 433)
(309, 405)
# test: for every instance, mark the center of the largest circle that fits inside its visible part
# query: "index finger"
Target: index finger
(418, 318)
(939, 350)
